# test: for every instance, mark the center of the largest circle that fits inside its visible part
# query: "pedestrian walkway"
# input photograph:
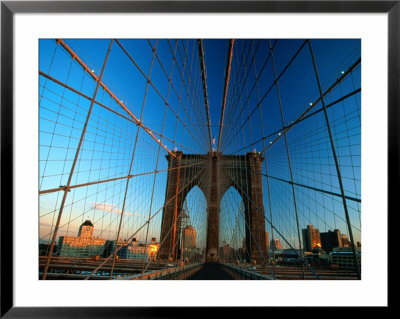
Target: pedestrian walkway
(211, 271)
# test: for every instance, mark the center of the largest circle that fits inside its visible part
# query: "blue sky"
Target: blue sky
(178, 113)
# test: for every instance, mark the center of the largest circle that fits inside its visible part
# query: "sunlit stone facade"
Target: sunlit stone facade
(82, 246)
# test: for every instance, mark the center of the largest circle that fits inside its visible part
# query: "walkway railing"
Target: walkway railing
(175, 273)
(243, 274)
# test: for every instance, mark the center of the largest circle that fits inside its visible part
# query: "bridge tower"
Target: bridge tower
(217, 174)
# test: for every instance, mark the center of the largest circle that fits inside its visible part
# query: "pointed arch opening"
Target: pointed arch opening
(193, 225)
(232, 232)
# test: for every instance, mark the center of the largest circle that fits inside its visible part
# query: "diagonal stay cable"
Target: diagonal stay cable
(344, 97)
(88, 70)
(272, 85)
(203, 184)
(339, 176)
(41, 73)
(244, 84)
(251, 233)
(115, 179)
(322, 95)
(147, 222)
(204, 80)
(66, 191)
(157, 91)
(306, 186)
(259, 211)
(177, 94)
(191, 73)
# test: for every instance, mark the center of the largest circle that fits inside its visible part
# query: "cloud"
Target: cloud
(43, 224)
(103, 206)
(109, 207)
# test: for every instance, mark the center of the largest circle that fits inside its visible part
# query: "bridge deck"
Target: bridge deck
(211, 271)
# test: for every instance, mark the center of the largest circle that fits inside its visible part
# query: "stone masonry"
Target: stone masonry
(214, 173)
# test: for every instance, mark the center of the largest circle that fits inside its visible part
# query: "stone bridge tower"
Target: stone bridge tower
(214, 174)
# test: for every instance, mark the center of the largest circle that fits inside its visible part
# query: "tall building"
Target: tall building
(226, 253)
(276, 244)
(82, 246)
(267, 241)
(133, 249)
(189, 237)
(345, 241)
(331, 239)
(311, 238)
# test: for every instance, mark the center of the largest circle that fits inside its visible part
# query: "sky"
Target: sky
(159, 81)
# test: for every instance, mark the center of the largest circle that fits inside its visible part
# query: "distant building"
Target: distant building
(189, 244)
(110, 246)
(311, 238)
(82, 246)
(138, 251)
(345, 241)
(276, 244)
(291, 256)
(189, 237)
(226, 253)
(193, 254)
(44, 249)
(330, 240)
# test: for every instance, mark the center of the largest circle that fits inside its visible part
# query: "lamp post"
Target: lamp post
(183, 218)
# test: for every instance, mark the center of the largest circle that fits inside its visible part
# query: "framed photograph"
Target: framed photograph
(251, 146)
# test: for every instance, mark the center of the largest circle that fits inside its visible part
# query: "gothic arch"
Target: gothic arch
(217, 173)
(231, 211)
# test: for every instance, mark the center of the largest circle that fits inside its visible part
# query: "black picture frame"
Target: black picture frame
(9, 8)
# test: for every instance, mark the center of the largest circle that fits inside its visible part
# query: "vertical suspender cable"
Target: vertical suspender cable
(204, 80)
(227, 75)
(356, 262)
(130, 171)
(66, 190)
(266, 171)
(288, 156)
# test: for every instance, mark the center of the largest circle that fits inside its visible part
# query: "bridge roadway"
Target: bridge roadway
(79, 268)
(214, 271)
(211, 271)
